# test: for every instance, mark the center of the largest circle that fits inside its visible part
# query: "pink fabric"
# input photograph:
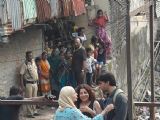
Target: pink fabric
(104, 39)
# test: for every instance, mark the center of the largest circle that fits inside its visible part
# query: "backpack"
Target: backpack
(118, 91)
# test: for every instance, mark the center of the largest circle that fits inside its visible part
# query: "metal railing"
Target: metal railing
(151, 104)
(29, 102)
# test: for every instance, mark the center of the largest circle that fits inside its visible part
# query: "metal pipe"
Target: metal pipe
(147, 104)
(28, 102)
(128, 50)
(151, 12)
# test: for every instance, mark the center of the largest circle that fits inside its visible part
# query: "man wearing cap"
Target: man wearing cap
(107, 83)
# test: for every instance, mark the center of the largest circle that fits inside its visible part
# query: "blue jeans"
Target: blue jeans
(89, 78)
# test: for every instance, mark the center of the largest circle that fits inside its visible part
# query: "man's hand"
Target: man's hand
(82, 73)
(50, 97)
(109, 108)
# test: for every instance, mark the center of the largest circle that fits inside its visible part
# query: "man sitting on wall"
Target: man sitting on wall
(11, 112)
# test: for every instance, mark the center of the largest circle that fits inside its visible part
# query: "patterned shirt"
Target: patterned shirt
(74, 114)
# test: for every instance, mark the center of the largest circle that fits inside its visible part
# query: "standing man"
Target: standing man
(28, 82)
(116, 96)
(79, 61)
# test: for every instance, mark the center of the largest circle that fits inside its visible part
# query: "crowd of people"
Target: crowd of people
(81, 101)
(81, 104)
(75, 66)
(78, 67)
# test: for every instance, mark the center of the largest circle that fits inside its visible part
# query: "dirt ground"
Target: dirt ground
(46, 113)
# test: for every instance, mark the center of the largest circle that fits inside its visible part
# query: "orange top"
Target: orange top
(45, 67)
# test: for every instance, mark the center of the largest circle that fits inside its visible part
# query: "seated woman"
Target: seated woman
(86, 101)
(67, 109)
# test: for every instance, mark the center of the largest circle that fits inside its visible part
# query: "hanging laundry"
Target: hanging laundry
(78, 7)
(54, 8)
(3, 12)
(67, 8)
(43, 10)
(29, 11)
(14, 14)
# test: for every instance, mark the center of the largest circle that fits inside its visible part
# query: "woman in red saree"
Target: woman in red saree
(100, 23)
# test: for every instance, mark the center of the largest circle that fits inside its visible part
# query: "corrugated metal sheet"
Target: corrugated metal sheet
(54, 8)
(5, 25)
(29, 11)
(43, 10)
(6, 29)
(14, 10)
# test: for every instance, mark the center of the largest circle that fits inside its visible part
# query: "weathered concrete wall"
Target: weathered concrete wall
(13, 54)
(139, 44)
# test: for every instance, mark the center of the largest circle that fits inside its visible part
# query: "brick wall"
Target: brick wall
(12, 56)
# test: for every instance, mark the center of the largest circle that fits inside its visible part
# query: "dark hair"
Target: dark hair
(88, 89)
(43, 53)
(28, 52)
(94, 39)
(14, 91)
(80, 29)
(88, 50)
(100, 10)
(108, 77)
(38, 59)
(61, 53)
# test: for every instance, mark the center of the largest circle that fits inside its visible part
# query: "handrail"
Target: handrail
(147, 104)
(29, 102)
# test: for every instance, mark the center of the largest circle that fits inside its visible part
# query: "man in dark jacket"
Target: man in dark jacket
(79, 61)
(107, 83)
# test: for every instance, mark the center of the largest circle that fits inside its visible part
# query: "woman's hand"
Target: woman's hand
(85, 109)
